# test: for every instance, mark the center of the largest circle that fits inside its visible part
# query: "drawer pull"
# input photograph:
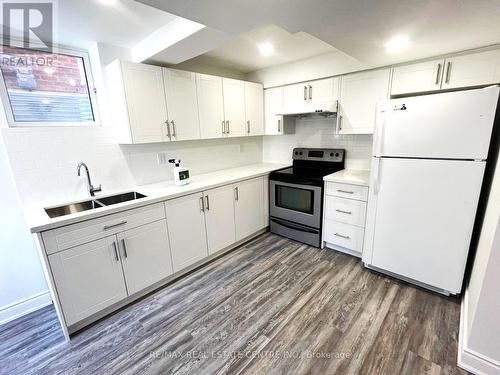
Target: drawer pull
(342, 236)
(345, 191)
(344, 212)
(106, 227)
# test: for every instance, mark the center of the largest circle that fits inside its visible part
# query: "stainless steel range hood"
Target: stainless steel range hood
(326, 109)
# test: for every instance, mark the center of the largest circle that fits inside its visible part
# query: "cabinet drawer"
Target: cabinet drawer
(347, 211)
(347, 191)
(345, 235)
(93, 229)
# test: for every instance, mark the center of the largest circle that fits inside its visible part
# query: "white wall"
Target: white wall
(318, 133)
(22, 284)
(480, 331)
(325, 65)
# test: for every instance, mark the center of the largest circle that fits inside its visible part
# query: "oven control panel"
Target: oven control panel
(319, 154)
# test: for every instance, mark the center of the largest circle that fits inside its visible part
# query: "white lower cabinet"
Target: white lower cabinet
(145, 255)
(344, 217)
(100, 264)
(88, 278)
(219, 216)
(248, 207)
(186, 230)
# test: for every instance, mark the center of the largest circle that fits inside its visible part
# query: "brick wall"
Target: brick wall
(52, 72)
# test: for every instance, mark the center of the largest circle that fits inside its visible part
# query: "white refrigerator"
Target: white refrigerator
(429, 157)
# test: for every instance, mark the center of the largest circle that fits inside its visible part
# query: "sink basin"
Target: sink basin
(120, 198)
(72, 208)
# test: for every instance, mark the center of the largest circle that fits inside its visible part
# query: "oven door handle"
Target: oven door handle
(296, 227)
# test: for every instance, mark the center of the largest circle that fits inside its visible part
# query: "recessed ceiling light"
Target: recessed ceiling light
(108, 2)
(266, 49)
(396, 44)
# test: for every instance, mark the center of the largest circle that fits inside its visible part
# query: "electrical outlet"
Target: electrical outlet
(161, 158)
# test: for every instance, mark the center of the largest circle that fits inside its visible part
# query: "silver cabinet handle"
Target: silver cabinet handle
(305, 92)
(208, 203)
(310, 92)
(227, 124)
(342, 236)
(344, 212)
(448, 72)
(168, 130)
(117, 258)
(345, 191)
(438, 75)
(237, 193)
(174, 132)
(202, 204)
(106, 227)
(124, 248)
(248, 126)
(223, 127)
(340, 122)
(279, 125)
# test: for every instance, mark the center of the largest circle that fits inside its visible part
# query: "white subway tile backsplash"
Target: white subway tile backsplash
(318, 133)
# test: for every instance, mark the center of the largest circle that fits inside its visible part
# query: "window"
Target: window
(46, 89)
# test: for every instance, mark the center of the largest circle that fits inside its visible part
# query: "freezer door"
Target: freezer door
(420, 218)
(454, 125)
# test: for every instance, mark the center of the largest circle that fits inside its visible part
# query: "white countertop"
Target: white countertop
(38, 220)
(350, 176)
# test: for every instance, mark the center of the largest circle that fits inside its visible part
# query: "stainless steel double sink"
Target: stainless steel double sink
(92, 204)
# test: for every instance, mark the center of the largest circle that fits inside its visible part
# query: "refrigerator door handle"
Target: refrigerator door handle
(376, 173)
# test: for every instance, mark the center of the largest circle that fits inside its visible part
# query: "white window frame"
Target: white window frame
(4, 96)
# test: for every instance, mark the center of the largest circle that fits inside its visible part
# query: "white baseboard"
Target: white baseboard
(25, 306)
(469, 359)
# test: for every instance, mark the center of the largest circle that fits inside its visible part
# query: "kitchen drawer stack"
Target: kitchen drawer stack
(345, 215)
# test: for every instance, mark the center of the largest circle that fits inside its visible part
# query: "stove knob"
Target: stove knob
(337, 154)
(300, 153)
(296, 153)
(331, 153)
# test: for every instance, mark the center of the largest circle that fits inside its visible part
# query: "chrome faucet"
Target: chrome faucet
(92, 189)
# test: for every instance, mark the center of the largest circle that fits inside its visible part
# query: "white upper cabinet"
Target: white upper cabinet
(323, 91)
(145, 101)
(249, 207)
(254, 108)
(360, 93)
(273, 106)
(186, 230)
(182, 104)
(145, 254)
(210, 106)
(219, 216)
(419, 77)
(472, 70)
(234, 107)
(295, 98)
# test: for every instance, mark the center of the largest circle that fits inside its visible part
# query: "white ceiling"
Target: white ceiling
(357, 27)
(80, 22)
(242, 52)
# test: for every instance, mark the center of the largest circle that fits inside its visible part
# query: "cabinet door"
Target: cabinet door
(273, 105)
(88, 278)
(358, 101)
(323, 91)
(254, 108)
(420, 77)
(249, 207)
(295, 98)
(472, 70)
(219, 214)
(186, 230)
(182, 104)
(145, 102)
(145, 254)
(210, 105)
(234, 107)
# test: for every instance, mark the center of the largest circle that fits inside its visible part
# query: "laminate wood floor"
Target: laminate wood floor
(273, 306)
